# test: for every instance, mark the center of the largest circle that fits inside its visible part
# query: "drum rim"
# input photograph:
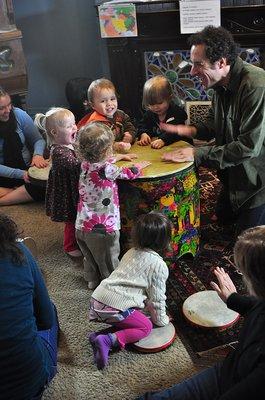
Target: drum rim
(33, 168)
(198, 325)
(159, 177)
(157, 349)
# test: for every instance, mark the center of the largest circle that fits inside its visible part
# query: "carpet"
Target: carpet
(189, 275)
(129, 373)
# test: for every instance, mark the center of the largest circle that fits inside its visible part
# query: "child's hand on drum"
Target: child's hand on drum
(127, 137)
(122, 147)
(141, 165)
(125, 157)
(225, 286)
(145, 140)
(157, 144)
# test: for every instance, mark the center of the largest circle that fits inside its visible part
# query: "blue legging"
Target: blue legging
(50, 341)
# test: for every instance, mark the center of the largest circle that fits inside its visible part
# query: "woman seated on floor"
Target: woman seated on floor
(21, 146)
(241, 375)
(28, 321)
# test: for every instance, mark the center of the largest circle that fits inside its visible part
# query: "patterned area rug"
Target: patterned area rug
(189, 275)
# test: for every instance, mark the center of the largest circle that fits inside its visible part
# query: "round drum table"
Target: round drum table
(167, 187)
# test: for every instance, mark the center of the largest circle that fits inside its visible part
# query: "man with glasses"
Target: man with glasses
(236, 121)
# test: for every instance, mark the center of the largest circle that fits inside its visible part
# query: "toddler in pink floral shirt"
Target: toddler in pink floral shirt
(98, 214)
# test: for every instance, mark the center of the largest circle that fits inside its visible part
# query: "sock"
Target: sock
(101, 348)
(92, 337)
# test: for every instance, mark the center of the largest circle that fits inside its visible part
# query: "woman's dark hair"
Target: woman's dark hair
(8, 240)
(152, 231)
(218, 43)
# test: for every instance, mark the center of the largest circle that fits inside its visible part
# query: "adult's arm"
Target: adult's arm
(42, 305)
(113, 172)
(30, 132)
(249, 134)
(241, 304)
(177, 116)
(9, 172)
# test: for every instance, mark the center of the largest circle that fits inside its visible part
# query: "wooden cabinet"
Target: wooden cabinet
(13, 74)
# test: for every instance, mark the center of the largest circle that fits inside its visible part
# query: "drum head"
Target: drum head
(207, 310)
(157, 168)
(39, 176)
(159, 339)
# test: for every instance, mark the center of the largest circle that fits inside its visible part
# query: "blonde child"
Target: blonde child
(139, 281)
(102, 98)
(62, 187)
(158, 100)
(98, 215)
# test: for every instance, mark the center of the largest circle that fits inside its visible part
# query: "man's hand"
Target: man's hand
(158, 144)
(39, 162)
(144, 140)
(183, 154)
(225, 286)
(181, 130)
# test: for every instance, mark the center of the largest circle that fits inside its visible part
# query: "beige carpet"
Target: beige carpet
(128, 374)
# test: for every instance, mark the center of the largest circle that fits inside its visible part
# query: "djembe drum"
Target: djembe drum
(205, 309)
(39, 176)
(166, 187)
(160, 338)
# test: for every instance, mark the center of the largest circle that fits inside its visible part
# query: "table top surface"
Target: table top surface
(158, 168)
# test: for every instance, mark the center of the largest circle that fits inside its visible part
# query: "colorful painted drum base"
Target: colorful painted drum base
(175, 195)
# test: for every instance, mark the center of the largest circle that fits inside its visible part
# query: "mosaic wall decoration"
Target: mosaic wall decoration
(197, 111)
(175, 65)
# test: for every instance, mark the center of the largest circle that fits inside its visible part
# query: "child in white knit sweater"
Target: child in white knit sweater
(138, 282)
